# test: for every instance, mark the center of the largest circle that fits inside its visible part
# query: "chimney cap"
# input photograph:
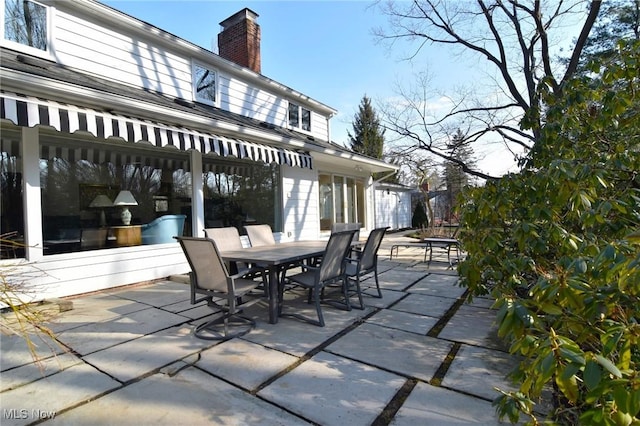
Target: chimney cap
(245, 13)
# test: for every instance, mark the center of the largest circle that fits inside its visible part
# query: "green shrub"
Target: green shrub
(419, 218)
(558, 246)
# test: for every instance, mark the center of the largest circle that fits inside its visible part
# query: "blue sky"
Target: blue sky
(324, 49)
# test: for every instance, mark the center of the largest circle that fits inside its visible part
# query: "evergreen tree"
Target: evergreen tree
(454, 176)
(368, 136)
(419, 219)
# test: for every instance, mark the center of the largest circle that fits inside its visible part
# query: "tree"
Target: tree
(515, 39)
(368, 135)
(453, 176)
(620, 19)
(419, 218)
(558, 246)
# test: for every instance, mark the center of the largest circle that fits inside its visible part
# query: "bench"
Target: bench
(428, 244)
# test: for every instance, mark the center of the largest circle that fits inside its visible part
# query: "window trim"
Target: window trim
(49, 53)
(216, 73)
(300, 124)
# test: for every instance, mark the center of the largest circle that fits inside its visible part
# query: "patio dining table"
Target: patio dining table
(273, 257)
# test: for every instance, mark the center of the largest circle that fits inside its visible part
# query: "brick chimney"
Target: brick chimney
(239, 40)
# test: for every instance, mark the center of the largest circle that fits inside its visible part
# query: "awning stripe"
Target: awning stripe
(28, 111)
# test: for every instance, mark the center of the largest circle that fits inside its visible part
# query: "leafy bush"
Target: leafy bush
(558, 246)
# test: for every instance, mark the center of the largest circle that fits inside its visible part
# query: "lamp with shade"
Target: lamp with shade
(124, 200)
(101, 202)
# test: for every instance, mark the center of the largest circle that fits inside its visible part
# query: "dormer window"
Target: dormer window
(204, 84)
(299, 117)
(26, 23)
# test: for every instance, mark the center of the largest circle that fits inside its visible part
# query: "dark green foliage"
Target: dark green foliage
(368, 135)
(558, 246)
(419, 218)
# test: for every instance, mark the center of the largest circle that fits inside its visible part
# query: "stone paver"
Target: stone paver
(331, 390)
(478, 371)
(92, 336)
(433, 306)
(192, 397)
(54, 393)
(472, 325)
(244, 363)
(406, 353)
(399, 278)
(406, 321)
(138, 357)
(428, 405)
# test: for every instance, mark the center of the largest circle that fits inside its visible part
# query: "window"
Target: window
(204, 84)
(79, 186)
(11, 197)
(240, 193)
(299, 117)
(25, 23)
(341, 200)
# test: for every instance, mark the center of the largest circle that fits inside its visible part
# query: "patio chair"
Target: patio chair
(228, 239)
(260, 235)
(316, 278)
(338, 227)
(366, 262)
(211, 282)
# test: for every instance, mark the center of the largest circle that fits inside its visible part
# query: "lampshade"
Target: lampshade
(125, 198)
(101, 201)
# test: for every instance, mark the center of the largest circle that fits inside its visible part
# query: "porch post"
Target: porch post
(197, 195)
(30, 147)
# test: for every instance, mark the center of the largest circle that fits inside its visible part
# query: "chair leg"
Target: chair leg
(359, 292)
(224, 328)
(316, 295)
(375, 275)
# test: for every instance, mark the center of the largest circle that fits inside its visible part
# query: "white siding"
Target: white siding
(300, 204)
(98, 50)
(83, 272)
(393, 209)
(139, 62)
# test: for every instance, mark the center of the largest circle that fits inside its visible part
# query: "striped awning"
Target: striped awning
(28, 111)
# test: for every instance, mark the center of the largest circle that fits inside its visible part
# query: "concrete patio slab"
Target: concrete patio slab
(331, 390)
(406, 321)
(475, 326)
(433, 306)
(55, 393)
(160, 294)
(399, 279)
(477, 371)
(244, 363)
(34, 371)
(94, 308)
(429, 405)
(92, 337)
(15, 349)
(192, 397)
(141, 356)
(389, 297)
(438, 285)
(406, 353)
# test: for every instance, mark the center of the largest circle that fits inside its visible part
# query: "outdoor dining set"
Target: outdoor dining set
(230, 277)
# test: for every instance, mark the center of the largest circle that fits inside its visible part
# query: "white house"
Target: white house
(94, 102)
(392, 206)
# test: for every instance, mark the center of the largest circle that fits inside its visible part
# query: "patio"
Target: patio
(419, 355)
